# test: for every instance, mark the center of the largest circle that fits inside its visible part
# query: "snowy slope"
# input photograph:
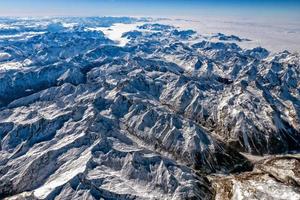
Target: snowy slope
(85, 116)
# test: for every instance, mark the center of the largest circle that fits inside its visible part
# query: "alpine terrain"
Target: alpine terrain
(131, 108)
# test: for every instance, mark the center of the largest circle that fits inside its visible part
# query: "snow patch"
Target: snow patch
(4, 56)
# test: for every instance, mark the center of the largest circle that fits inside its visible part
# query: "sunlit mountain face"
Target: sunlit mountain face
(149, 107)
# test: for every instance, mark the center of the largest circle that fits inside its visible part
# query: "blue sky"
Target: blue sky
(164, 8)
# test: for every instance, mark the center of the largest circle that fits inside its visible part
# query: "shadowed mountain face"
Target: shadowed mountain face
(83, 117)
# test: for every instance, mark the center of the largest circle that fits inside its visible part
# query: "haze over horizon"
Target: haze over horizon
(166, 8)
(141, 99)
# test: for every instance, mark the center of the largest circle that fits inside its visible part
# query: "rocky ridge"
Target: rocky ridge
(84, 118)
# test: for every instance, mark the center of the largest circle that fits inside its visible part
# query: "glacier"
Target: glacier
(132, 108)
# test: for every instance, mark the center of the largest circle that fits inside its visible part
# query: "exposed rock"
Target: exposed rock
(272, 178)
(82, 118)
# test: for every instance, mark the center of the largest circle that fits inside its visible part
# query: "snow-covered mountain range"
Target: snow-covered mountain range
(153, 114)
